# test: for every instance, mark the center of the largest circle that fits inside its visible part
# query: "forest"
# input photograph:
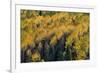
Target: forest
(54, 36)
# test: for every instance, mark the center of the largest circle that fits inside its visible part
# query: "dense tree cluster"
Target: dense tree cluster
(54, 36)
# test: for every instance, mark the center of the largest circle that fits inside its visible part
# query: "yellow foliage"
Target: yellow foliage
(36, 56)
(81, 55)
(53, 40)
(35, 27)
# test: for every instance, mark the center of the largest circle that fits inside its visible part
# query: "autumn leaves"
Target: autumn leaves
(54, 36)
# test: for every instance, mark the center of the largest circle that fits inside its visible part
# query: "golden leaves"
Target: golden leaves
(27, 39)
(81, 55)
(53, 40)
(37, 25)
(36, 56)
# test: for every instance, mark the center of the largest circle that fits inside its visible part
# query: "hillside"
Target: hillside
(54, 36)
